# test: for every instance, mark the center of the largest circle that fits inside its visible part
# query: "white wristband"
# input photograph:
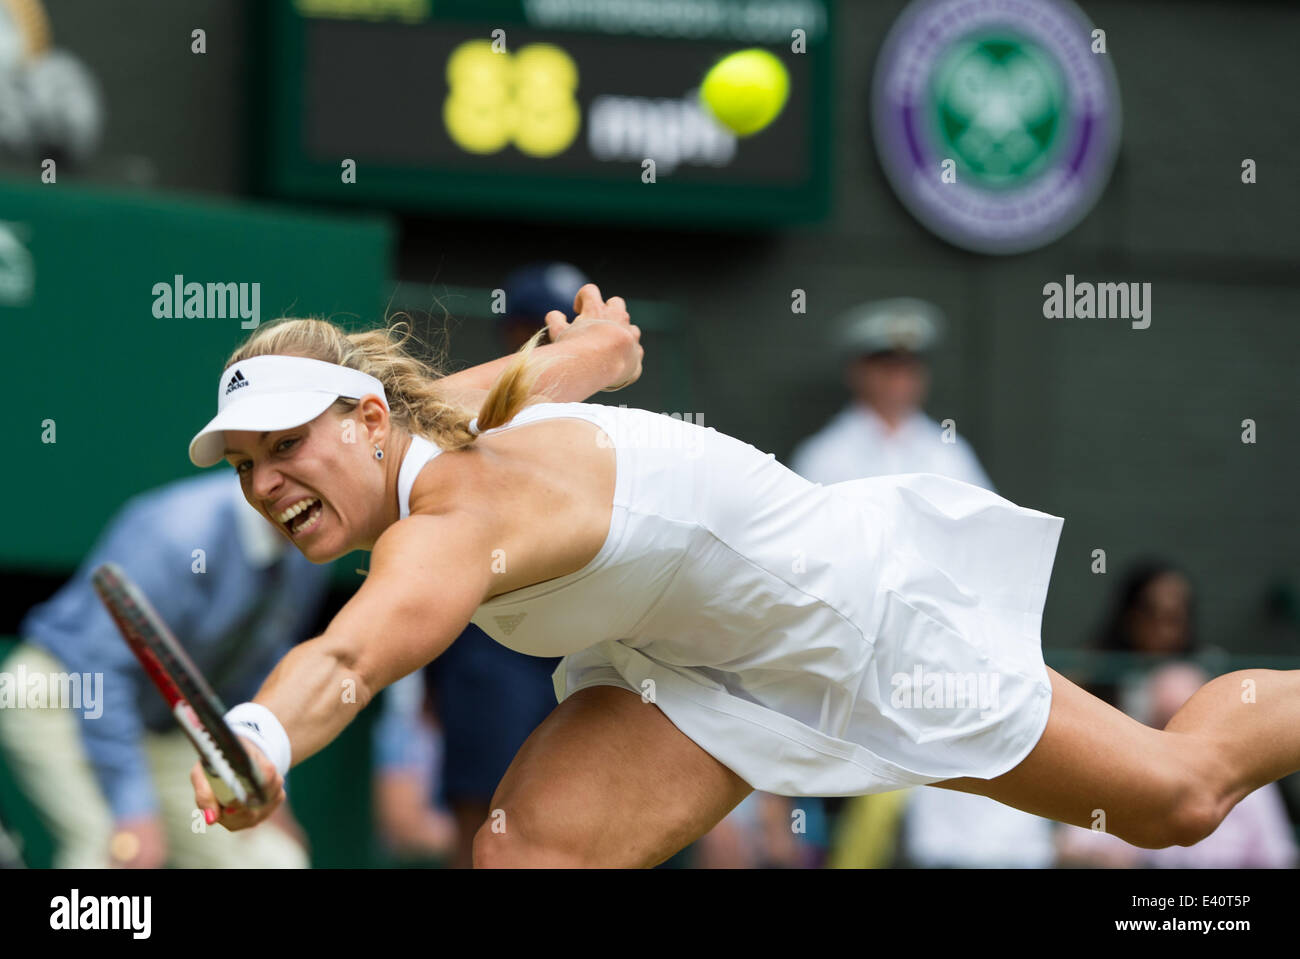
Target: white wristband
(254, 721)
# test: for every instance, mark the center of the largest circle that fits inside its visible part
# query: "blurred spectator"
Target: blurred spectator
(113, 785)
(533, 291)
(766, 832)
(1154, 615)
(956, 830)
(408, 758)
(866, 831)
(1255, 834)
(885, 345)
(883, 429)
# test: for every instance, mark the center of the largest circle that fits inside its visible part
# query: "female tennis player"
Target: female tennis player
(725, 624)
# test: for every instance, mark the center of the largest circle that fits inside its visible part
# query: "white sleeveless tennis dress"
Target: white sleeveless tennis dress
(817, 640)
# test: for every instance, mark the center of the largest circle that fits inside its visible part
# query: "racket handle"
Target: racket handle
(219, 788)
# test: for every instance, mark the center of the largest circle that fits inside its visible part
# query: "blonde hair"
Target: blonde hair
(416, 400)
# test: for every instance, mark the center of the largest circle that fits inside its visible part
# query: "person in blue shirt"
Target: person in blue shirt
(110, 780)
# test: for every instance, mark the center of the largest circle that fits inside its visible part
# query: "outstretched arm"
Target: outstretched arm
(599, 350)
(397, 621)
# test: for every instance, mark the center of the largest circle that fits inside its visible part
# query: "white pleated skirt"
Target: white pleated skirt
(952, 685)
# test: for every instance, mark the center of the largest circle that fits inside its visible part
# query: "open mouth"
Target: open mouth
(304, 517)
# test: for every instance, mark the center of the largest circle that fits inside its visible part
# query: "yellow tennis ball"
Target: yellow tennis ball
(746, 91)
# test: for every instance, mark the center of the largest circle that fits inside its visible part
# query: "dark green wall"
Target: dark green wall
(124, 389)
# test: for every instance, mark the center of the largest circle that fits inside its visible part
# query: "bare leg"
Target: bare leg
(1254, 714)
(1155, 788)
(605, 780)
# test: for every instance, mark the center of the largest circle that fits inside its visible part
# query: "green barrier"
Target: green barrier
(1095, 666)
(330, 794)
(106, 383)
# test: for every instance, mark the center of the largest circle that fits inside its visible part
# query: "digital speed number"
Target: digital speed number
(496, 98)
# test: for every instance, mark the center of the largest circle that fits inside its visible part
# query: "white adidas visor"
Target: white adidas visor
(268, 393)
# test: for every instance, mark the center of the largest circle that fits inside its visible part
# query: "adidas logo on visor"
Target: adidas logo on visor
(236, 382)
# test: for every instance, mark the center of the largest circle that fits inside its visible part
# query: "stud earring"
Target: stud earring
(379, 454)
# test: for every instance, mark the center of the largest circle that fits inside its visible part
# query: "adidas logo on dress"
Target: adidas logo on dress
(509, 624)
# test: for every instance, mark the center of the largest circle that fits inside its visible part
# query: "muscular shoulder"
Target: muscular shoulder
(428, 553)
(452, 480)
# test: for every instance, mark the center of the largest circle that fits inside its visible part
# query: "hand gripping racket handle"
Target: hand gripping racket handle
(225, 795)
(227, 785)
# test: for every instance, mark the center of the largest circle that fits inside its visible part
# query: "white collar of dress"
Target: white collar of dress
(417, 454)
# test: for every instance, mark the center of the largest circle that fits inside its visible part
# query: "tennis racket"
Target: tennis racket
(196, 707)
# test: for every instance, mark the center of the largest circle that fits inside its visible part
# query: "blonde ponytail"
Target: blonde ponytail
(510, 392)
(415, 397)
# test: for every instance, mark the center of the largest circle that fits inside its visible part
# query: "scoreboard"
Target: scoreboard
(541, 108)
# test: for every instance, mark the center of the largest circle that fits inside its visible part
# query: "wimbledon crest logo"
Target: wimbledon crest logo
(995, 121)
